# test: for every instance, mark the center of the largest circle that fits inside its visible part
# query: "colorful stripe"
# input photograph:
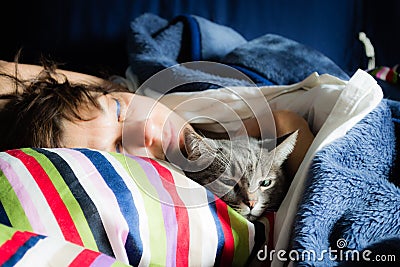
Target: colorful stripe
(195, 201)
(183, 233)
(53, 198)
(168, 212)
(157, 238)
(12, 206)
(270, 216)
(10, 251)
(239, 228)
(229, 245)
(24, 248)
(30, 197)
(219, 228)
(85, 258)
(14, 246)
(386, 74)
(130, 172)
(3, 215)
(102, 260)
(25, 200)
(68, 198)
(133, 243)
(103, 198)
(136, 210)
(92, 240)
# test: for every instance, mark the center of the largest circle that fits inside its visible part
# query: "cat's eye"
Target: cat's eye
(265, 183)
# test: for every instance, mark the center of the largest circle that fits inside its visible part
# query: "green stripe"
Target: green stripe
(6, 233)
(240, 233)
(395, 77)
(12, 205)
(158, 237)
(375, 71)
(67, 197)
(119, 264)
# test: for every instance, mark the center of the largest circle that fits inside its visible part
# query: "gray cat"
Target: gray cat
(244, 172)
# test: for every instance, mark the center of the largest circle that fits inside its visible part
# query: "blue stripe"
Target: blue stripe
(255, 77)
(191, 39)
(3, 216)
(85, 202)
(20, 253)
(195, 37)
(133, 245)
(220, 233)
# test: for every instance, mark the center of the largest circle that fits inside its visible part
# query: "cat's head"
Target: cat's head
(244, 172)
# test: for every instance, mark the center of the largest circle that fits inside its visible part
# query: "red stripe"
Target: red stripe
(10, 247)
(229, 246)
(389, 76)
(85, 258)
(271, 220)
(183, 237)
(53, 198)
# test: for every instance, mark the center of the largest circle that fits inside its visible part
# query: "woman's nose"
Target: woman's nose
(142, 138)
(143, 134)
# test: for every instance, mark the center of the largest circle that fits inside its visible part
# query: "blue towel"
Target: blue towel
(352, 198)
(155, 44)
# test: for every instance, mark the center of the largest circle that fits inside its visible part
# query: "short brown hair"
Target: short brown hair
(34, 113)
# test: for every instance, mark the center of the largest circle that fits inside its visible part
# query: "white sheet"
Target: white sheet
(359, 97)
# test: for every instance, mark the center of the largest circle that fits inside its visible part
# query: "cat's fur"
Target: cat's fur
(245, 172)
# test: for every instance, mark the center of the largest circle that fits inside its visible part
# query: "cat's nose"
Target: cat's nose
(252, 203)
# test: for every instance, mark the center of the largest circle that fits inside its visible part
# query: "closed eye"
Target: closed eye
(118, 146)
(118, 108)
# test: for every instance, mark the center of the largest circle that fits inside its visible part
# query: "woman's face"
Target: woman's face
(127, 123)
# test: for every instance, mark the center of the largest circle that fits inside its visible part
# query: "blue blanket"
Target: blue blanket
(155, 44)
(352, 198)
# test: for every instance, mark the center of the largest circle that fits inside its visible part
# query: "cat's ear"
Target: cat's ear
(270, 144)
(195, 145)
(285, 147)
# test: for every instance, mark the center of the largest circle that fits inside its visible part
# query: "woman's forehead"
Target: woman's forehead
(94, 130)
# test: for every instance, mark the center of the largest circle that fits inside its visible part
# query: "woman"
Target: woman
(46, 107)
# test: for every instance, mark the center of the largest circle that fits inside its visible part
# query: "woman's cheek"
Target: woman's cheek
(133, 134)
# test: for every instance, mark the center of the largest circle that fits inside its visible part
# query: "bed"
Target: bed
(83, 207)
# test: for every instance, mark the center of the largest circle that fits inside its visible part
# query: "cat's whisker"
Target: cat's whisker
(222, 157)
(226, 163)
(236, 208)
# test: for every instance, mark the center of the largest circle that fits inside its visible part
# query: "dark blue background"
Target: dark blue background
(90, 35)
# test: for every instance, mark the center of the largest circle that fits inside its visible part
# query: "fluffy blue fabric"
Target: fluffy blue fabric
(352, 198)
(155, 44)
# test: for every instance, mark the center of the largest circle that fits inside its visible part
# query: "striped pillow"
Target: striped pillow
(136, 210)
